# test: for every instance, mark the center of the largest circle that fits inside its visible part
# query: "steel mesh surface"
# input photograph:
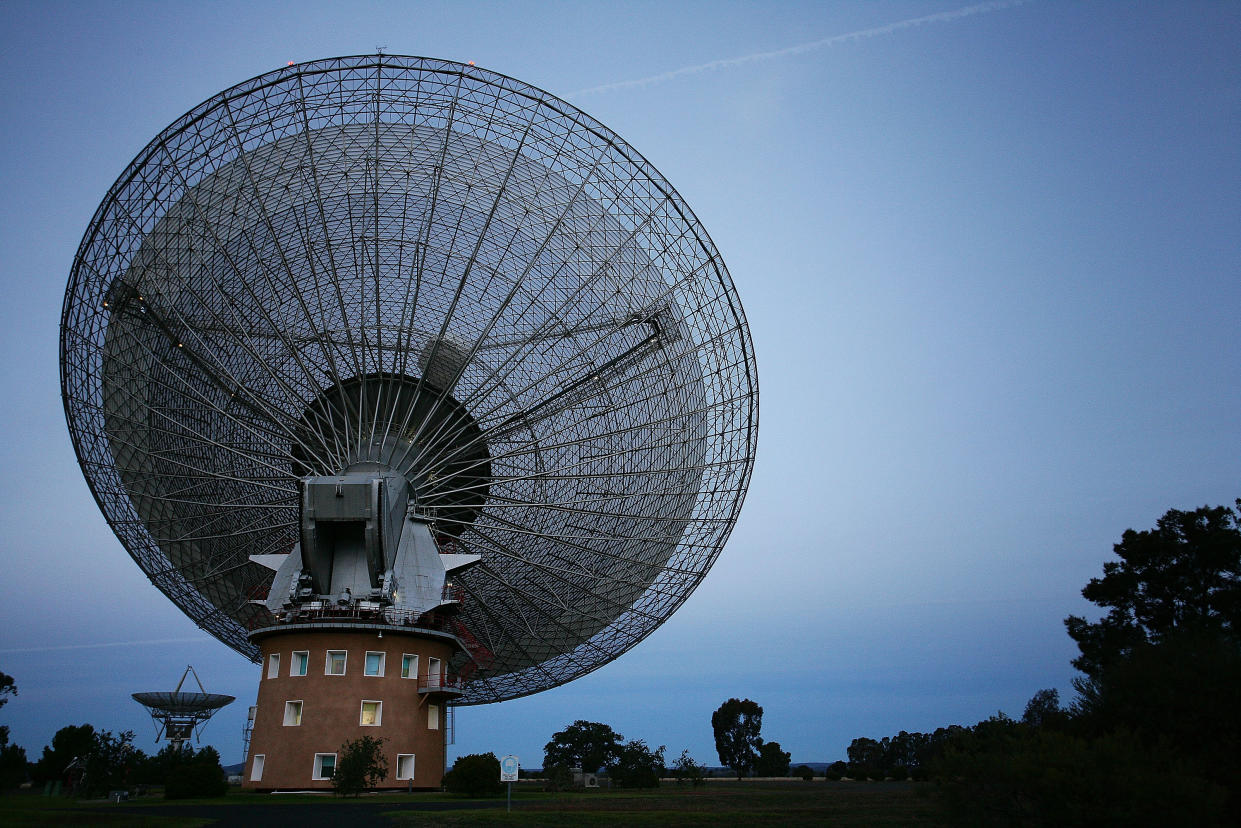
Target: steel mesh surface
(404, 236)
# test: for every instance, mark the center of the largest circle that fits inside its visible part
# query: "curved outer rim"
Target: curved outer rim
(491, 78)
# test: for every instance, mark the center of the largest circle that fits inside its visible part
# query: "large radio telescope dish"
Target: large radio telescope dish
(436, 269)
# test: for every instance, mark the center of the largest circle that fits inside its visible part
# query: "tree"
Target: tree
(637, 766)
(588, 745)
(477, 774)
(12, 761)
(772, 761)
(737, 723)
(68, 743)
(1043, 710)
(8, 687)
(192, 774)
(360, 766)
(1184, 576)
(804, 771)
(687, 770)
(865, 756)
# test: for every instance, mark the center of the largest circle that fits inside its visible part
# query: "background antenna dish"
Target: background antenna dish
(440, 277)
(180, 714)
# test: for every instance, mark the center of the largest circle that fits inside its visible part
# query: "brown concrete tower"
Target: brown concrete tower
(332, 680)
(337, 667)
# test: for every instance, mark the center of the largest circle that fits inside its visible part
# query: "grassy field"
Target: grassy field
(767, 804)
(792, 803)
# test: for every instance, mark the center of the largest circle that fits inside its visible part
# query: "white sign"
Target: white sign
(508, 769)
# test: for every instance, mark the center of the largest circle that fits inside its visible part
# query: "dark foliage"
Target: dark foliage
(588, 745)
(1184, 576)
(737, 723)
(8, 687)
(772, 761)
(360, 765)
(1006, 773)
(637, 766)
(836, 770)
(477, 774)
(557, 778)
(191, 775)
(13, 766)
(685, 769)
(804, 771)
(68, 743)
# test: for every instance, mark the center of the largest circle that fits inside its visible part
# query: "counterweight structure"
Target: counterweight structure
(394, 346)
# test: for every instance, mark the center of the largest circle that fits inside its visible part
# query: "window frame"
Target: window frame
(379, 713)
(433, 717)
(412, 660)
(273, 665)
(412, 763)
(256, 767)
(327, 664)
(299, 710)
(383, 663)
(316, 771)
(305, 654)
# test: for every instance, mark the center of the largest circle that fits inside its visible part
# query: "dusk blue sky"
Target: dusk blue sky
(990, 262)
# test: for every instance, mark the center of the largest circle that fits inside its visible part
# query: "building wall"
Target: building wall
(331, 707)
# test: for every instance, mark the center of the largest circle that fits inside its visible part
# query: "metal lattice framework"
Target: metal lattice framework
(439, 262)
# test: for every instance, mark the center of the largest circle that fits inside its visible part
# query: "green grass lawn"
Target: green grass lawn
(727, 804)
(730, 804)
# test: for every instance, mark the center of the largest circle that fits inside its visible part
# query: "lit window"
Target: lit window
(292, 713)
(335, 663)
(256, 770)
(325, 765)
(301, 660)
(372, 713)
(405, 766)
(433, 717)
(374, 664)
(273, 665)
(409, 666)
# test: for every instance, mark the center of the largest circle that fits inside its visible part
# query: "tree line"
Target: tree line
(1151, 737)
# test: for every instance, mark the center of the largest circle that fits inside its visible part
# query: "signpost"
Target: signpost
(508, 773)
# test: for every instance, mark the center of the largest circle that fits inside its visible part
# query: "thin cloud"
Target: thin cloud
(104, 644)
(850, 37)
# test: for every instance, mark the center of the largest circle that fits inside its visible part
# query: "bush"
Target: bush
(1039, 777)
(835, 770)
(475, 775)
(687, 770)
(899, 773)
(637, 766)
(557, 778)
(804, 772)
(196, 775)
(361, 765)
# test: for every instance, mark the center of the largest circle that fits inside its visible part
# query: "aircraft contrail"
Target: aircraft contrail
(104, 644)
(863, 34)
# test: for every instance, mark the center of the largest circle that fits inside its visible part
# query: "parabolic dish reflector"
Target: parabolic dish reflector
(441, 270)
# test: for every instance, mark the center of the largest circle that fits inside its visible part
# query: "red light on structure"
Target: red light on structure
(290, 63)
(470, 62)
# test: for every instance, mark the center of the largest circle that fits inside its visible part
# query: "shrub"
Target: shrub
(361, 765)
(637, 766)
(477, 774)
(804, 772)
(836, 770)
(191, 776)
(687, 770)
(557, 778)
